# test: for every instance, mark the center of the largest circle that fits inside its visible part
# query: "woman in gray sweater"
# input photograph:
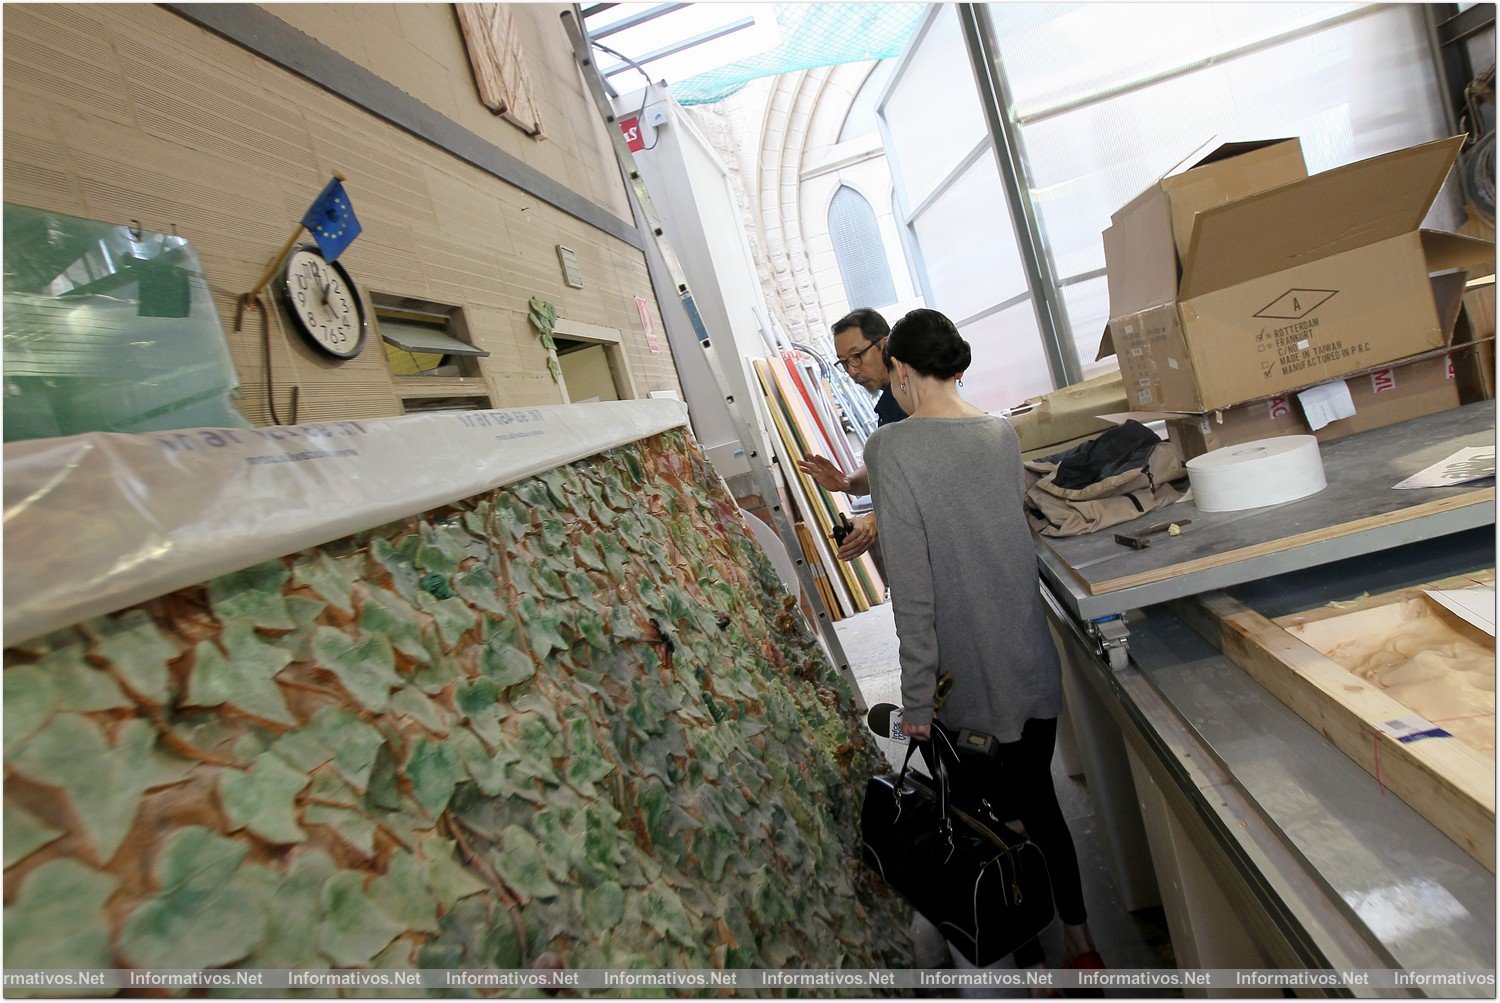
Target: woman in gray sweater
(948, 483)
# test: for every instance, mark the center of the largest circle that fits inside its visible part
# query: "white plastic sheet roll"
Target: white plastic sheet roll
(1257, 474)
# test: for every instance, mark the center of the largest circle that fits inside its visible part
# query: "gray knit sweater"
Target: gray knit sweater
(962, 571)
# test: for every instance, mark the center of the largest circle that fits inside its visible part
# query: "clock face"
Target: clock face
(323, 303)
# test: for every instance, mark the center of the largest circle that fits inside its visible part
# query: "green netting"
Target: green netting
(814, 34)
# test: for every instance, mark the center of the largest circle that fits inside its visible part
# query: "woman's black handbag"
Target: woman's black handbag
(985, 887)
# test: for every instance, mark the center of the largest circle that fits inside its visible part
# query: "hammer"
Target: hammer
(1138, 541)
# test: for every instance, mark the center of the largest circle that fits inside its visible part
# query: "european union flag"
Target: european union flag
(331, 220)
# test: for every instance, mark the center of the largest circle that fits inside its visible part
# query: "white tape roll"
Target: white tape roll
(1257, 474)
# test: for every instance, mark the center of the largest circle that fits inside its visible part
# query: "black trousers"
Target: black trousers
(1017, 783)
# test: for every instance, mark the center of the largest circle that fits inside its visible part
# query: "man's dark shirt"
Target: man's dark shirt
(886, 408)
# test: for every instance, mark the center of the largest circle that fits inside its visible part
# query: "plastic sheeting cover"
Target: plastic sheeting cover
(108, 329)
(100, 521)
(815, 34)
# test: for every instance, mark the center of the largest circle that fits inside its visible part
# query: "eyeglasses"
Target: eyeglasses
(856, 360)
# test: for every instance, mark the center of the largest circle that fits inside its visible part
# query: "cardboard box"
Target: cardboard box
(1068, 414)
(1413, 387)
(1381, 397)
(1285, 287)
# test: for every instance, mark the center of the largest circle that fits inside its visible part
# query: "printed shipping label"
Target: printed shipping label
(1412, 729)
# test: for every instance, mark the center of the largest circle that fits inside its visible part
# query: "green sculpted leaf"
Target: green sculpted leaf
(253, 594)
(409, 702)
(246, 678)
(505, 663)
(301, 750)
(353, 931)
(24, 834)
(452, 616)
(354, 743)
(57, 919)
(449, 880)
(541, 628)
(400, 561)
(522, 865)
(401, 893)
(439, 551)
(291, 940)
(395, 619)
(135, 647)
(78, 685)
(198, 919)
(330, 577)
(263, 799)
(338, 808)
(29, 702)
(366, 666)
(586, 763)
(104, 783)
(384, 791)
(433, 770)
(480, 588)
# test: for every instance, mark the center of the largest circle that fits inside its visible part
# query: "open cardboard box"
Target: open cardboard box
(1410, 388)
(1285, 285)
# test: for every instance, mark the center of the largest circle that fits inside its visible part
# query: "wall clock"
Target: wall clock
(325, 307)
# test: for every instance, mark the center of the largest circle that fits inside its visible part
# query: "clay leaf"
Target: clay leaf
(57, 919)
(199, 918)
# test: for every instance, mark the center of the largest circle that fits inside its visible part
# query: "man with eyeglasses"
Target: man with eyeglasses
(859, 338)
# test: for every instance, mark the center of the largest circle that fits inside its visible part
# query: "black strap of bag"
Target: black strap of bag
(985, 888)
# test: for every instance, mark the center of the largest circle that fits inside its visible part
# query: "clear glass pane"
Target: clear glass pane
(108, 331)
(1349, 92)
(1105, 45)
(968, 244)
(1009, 365)
(933, 116)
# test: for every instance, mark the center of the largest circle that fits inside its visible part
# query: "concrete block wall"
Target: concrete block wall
(130, 112)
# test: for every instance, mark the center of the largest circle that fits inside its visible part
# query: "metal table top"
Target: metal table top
(1356, 514)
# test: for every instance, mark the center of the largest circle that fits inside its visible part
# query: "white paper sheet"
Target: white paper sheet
(1476, 605)
(1327, 403)
(1472, 463)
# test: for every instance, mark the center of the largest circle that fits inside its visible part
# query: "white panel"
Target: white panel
(1008, 365)
(1087, 307)
(969, 246)
(1349, 92)
(933, 114)
(1104, 45)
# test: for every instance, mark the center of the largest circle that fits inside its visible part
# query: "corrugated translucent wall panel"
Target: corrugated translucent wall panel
(1349, 90)
(1055, 53)
(1087, 306)
(1009, 364)
(969, 245)
(933, 113)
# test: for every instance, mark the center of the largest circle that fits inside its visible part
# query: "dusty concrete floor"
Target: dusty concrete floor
(1126, 940)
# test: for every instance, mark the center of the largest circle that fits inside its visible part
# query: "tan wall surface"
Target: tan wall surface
(125, 111)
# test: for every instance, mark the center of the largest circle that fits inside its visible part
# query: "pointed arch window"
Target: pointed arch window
(860, 252)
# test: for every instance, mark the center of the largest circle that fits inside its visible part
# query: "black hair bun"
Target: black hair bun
(928, 341)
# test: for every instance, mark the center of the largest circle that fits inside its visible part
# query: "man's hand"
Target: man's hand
(830, 477)
(921, 732)
(859, 539)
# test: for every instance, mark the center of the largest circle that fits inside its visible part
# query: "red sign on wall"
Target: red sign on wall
(631, 127)
(1382, 380)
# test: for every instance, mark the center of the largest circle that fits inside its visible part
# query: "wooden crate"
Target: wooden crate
(1448, 779)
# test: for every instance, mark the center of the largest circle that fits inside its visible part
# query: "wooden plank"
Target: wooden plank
(1445, 781)
(1360, 469)
(1486, 577)
(784, 445)
(1484, 496)
(858, 573)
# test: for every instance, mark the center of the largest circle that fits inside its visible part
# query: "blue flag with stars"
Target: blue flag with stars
(331, 220)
